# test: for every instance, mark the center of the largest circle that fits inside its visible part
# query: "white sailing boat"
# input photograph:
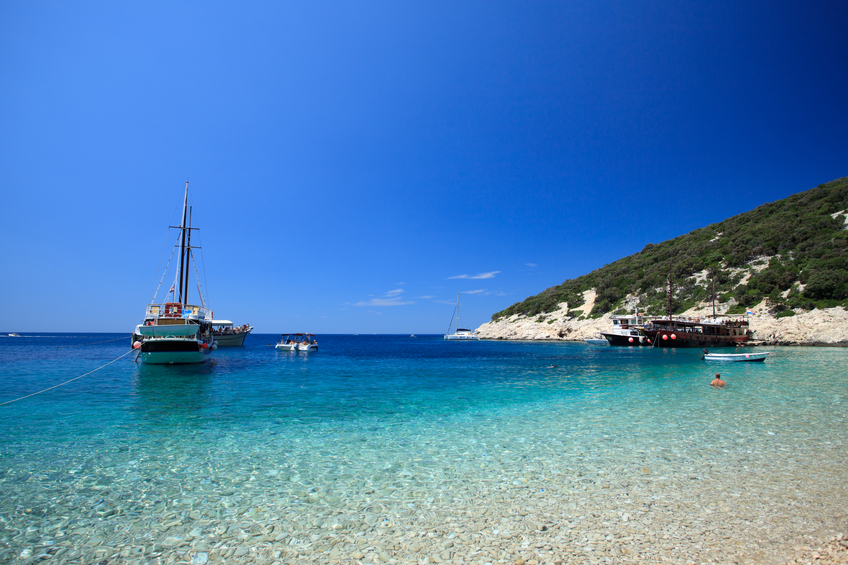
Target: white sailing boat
(176, 331)
(459, 334)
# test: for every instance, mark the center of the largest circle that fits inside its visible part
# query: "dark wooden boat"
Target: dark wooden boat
(721, 331)
(717, 331)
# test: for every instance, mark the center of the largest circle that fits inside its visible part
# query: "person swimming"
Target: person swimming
(717, 382)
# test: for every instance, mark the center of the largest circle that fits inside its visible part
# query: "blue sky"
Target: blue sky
(353, 166)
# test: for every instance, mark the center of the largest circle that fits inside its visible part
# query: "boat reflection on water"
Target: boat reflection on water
(172, 395)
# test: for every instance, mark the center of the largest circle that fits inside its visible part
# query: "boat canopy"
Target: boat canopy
(220, 322)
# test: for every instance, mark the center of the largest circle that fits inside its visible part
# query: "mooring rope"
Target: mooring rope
(92, 343)
(66, 382)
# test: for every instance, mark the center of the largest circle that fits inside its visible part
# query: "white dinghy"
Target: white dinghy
(736, 357)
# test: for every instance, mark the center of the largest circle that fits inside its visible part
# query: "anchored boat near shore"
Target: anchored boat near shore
(736, 357)
(716, 331)
(721, 331)
(599, 339)
(308, 343)
(225, 335)
(626, 330)
(177, 332)
(459, 334)
(297, 342)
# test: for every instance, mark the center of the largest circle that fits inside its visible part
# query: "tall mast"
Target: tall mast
(182, 245)
(457, 311)
(713, 296)
(670, 320)
(188, 257)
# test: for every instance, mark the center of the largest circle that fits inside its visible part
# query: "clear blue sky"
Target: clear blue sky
(354, 165)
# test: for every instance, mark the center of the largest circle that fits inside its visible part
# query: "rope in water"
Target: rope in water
(66, 382)
(92, 343)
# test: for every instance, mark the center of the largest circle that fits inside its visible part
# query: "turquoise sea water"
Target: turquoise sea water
(325, 456)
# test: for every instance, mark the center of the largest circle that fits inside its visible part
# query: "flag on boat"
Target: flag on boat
(749, 311)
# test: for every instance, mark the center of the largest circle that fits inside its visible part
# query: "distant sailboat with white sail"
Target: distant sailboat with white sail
(459, 334)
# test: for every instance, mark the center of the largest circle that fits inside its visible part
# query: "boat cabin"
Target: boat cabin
(627, 321)
(174, 319)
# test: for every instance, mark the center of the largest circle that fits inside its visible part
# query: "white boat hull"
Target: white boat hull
(736, 357)
(286, 347)
(461, 337)
(310, 347)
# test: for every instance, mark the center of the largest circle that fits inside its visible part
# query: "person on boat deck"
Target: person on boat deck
(717, 382)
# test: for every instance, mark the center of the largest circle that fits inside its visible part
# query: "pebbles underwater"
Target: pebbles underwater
(647, 466)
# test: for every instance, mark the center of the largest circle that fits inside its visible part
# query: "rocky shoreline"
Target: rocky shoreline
(827, 327)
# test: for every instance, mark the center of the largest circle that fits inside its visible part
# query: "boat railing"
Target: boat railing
(670, 328)
(177, 311)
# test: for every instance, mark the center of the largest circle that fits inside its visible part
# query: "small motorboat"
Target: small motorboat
(736, 357)
(297, 342)
(286, 344)
(13, 334)
(599, 339)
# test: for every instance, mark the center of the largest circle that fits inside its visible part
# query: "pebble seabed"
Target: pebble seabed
(533, 498)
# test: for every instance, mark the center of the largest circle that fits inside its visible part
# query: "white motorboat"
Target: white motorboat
(459, 334)
(13, 334)
(226, 335)
(737, 357)
(626, 330)
(176, 331)
(287, 343)
(308, 343)
(599, 339)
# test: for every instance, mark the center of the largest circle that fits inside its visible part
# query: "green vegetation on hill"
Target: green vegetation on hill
(764, 253)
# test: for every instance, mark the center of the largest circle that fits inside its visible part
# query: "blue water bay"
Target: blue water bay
(393, 437)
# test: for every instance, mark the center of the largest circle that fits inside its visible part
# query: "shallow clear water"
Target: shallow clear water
(379, 432)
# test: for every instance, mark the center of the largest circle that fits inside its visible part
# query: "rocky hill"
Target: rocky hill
(786, 260)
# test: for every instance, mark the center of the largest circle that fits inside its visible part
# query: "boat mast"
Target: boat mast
(670, 320)
(182, 244)
(457, 311)
(188, 257)
(713, 296)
